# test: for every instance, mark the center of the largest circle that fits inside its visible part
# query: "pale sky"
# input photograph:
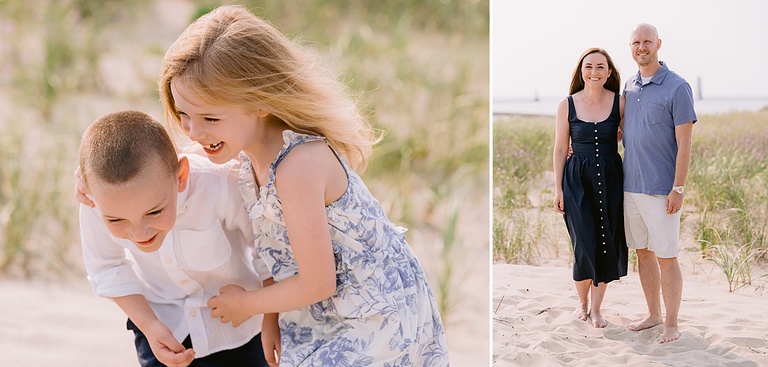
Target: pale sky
(535, 44)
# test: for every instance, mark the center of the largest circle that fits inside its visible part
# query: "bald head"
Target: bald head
(646, 29)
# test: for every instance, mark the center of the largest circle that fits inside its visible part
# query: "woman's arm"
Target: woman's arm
(622, 103)
(560, 152)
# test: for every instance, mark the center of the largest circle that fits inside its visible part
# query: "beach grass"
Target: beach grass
(726, 191)
(521, 155)
(419, 69)
(49, 55)
(729, 180)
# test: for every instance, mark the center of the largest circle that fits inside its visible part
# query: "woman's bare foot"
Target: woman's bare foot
(670, 334)
(646, 323)
(597, 319)
(581, 313)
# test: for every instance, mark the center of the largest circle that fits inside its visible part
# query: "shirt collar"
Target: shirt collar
(658, 78)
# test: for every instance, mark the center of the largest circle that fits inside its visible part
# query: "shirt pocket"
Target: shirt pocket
(205, 250)
(655, 113)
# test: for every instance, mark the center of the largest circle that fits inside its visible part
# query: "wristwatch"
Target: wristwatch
(678, 189)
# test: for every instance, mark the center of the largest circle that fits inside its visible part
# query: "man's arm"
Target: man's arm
(683, 136)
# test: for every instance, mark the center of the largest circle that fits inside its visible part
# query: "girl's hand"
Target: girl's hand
(227, 305)
(270, 339)
(81, 191)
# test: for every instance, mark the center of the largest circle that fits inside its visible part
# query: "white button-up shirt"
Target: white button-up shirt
(210, 246)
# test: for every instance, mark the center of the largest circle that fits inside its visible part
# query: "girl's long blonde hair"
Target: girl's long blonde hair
(231, 57)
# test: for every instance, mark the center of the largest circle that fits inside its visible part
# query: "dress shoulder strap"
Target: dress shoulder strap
(615, 110)
(571, 110)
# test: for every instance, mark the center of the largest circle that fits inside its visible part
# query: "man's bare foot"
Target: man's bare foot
(670, 334)
(597, 320)
(646, 323)
(581, 313)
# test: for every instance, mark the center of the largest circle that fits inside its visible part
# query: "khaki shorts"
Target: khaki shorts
(648, 226)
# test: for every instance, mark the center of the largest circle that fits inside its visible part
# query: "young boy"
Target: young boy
(167, 232)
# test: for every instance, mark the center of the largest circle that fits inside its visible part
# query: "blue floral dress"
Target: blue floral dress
(383, 312)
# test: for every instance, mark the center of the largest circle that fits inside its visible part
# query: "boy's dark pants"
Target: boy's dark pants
(251, 354)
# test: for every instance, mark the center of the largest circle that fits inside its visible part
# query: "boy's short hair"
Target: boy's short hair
(118, 145)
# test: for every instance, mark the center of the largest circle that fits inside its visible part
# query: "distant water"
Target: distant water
(548, 106)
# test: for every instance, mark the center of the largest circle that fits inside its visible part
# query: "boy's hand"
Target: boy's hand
(80, 190)
(166, 348)
(226, 305)
(270, 339)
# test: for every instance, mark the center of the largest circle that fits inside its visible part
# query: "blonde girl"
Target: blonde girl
(349, 290)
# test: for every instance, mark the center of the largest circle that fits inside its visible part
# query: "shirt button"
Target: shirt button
(184, 282)
(638, 99)
(605, 252)
(598, 174)
(168, 260)
(192, 313)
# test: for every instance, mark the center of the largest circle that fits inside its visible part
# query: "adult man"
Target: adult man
(659, 118)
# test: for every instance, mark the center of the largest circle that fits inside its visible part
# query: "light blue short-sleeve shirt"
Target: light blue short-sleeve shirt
(651, 113)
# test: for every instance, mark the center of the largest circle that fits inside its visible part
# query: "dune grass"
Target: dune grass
(49, 54)
(729, 182)
(521, 154)
(420, 69)
(726, 191)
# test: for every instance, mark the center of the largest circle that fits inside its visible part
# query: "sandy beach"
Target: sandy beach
(533, 323)
(63, 323)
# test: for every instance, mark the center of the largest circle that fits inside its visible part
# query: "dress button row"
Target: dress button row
(600, 192)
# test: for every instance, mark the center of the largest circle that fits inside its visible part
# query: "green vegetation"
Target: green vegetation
(421, 70)
(50, 53)
(728, 178)
(521, 154)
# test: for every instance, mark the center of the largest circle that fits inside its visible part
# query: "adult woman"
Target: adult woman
(588, 184)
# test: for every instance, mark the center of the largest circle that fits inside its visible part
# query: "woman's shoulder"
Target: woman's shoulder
(564, 105)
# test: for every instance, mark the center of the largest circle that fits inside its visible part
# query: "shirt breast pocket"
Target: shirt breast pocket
(655, 113)
(205, 250)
